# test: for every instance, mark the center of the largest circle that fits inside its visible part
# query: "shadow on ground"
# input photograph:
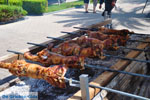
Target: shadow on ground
(130, 19)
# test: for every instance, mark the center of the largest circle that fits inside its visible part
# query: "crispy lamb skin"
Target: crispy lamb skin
(48, 58)
(116, 39)
(69, 49)
(53, 75)
(123, 32)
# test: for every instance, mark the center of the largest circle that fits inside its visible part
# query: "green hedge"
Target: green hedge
(12, 2)
(35, 6)
(9, 13)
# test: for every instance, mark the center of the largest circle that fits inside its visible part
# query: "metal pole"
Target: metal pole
(130, 59)
(138, 41)
(122, 47)
(15, 52)
(84, 85)
(41, 45)
(71, 33)
(121, 92)
(60, 39)
(118, 71)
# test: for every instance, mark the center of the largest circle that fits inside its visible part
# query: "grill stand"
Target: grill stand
(84, 84)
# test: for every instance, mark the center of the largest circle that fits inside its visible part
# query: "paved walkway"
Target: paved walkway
(50, 2)
(14, 36)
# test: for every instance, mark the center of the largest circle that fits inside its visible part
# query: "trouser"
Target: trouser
(108, 8)
(86, 1)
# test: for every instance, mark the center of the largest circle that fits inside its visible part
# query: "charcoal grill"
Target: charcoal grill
(96, 76)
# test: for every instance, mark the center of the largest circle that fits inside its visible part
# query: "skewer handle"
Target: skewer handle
(81, 28)
(35, 44)
(15, 52)
(70, 33)
(60, 39)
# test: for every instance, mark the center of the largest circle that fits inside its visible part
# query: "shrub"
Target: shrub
(3, 2)
(35, 6)
(9, 13)
(15, 2)
(12, 2)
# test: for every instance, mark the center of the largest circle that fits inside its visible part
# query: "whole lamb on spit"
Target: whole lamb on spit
(53, 75)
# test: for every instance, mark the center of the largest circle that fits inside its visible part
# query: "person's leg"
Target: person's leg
(86, 2)
(94, 6)
(108, 8)
(86, 7)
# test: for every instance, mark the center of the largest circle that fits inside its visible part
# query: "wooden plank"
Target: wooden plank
(128, 83)
(106, 77)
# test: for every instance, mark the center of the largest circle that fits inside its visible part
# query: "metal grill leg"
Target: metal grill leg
(84, 85)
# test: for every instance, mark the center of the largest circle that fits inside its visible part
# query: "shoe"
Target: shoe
(94, 12)
(86, 12)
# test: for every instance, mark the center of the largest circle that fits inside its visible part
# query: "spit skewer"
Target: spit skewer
(138, 41)
(118, 71)
(125, 58)
(101, 67)
(93, 29)
(71, 33)
(127, 40)
(96, 29)
(35, 44)
(60, 39)
(142, 50)
(121, 47)
(118, 57)
(15, 52)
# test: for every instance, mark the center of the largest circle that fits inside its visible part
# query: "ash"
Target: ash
(48, 92)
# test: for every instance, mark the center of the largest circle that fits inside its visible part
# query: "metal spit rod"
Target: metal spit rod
(60, 39)
(96, 29)
(41, 45)
(124, 58)
(127, 40)
(15, 52)
(119, 71)
(122, 47)
(99, 67)
(120, 92)
(71, 33)
(93, 29)
(83, 83)
(113, 56)
(138, 41)
(142, 50)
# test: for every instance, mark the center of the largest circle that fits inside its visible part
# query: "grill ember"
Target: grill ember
(70, 54)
